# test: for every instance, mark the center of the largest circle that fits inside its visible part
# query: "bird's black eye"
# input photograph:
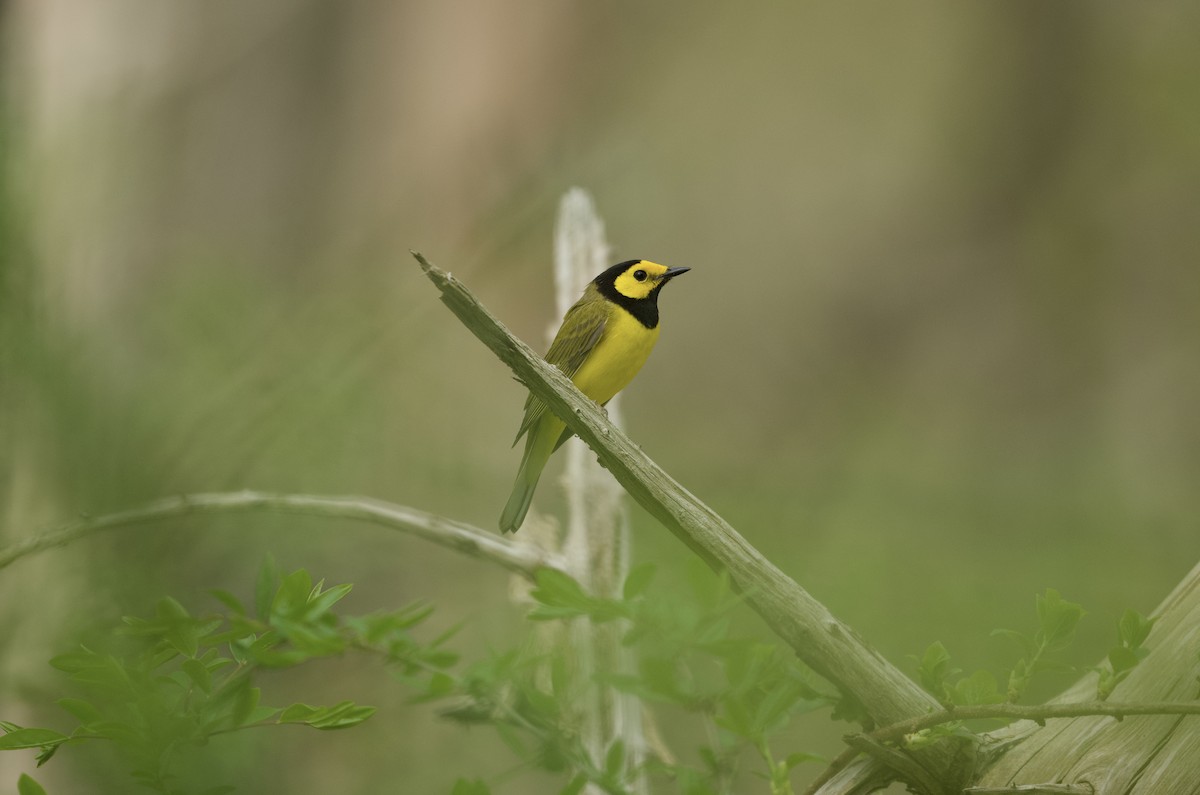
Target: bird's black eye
(640, 275)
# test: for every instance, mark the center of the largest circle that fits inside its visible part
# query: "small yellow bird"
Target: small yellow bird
(604, 340)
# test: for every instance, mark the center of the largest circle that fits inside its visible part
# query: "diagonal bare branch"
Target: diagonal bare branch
(822, 641)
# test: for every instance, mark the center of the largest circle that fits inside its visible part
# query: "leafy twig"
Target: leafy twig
(1038, 713)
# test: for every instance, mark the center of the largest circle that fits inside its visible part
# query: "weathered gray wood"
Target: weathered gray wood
(595, 546)
(1032, 789)
(523, 559)
(818, 638)
(861, 776)
(1153, 754)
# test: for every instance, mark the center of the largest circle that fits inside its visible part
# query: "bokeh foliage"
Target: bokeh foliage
(938, 352)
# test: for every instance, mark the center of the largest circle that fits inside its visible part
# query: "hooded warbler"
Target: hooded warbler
(603, 341)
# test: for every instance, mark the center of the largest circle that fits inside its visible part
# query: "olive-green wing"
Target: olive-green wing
(581, 329)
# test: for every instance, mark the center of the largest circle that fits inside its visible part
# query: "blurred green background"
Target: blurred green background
(938, 352)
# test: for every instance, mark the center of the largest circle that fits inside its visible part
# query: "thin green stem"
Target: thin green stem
(1037, 712)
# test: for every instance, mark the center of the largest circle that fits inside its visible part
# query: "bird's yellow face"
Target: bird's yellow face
(640, 279)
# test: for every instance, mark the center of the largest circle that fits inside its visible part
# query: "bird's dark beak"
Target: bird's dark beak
(673, 272)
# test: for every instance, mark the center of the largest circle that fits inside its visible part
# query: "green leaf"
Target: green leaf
(935, 668)
(661, 677)
(104, 671)
(339, 716)
(313, 638)
(1122, 659)
(31, 738)
(319, 602)
(27, 786)
(297, 713)
(47, 753)
(85, 711)
(75, 661)
(978, 688)
(245, 703)
(1018, 680)
(260, 714)
(614, 760)
(213, 662)
(638, 580)
(198, 672)
(545, 706)
(556, 589)
(1058, 618)
(269, 657)
(239, 649)
(850, 709)
(736, 719)
(800, 758)
(1134, 628)
(118, 732)
(265, 587)
(183, 634)
(292, 595)
(169, 609)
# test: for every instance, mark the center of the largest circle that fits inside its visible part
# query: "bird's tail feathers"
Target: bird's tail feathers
(532, 464)
(517, 506)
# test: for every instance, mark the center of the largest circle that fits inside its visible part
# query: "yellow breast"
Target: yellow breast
(619, 354)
